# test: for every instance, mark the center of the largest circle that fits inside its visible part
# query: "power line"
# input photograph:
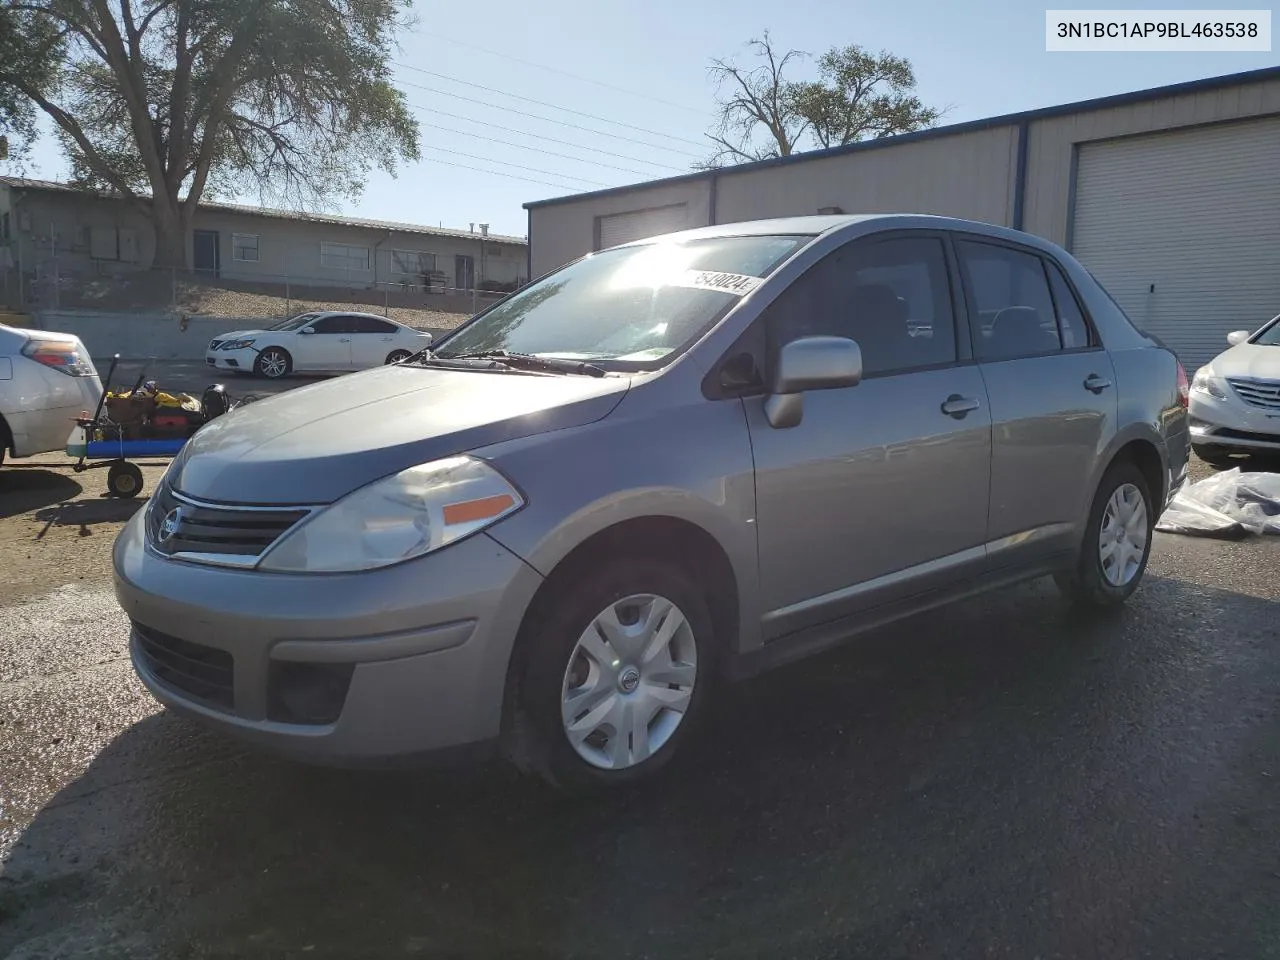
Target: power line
(563, 123)
(550, 153)
(544, 103)
(517, 166)
(573, 76)
(564, 143)
(495, 173)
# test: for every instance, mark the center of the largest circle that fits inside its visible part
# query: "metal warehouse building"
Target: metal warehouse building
(1170, 196)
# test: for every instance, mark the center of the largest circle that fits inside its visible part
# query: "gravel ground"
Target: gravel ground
(996, 779)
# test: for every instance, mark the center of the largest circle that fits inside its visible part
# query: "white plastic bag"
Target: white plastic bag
(1230, 503)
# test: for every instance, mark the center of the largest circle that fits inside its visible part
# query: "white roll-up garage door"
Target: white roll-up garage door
(639, 224)
(1183, 229)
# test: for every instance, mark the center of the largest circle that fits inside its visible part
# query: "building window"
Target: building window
(344, 256)
(244, 246)
(413, 263)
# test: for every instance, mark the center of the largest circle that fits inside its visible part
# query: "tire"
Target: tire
(273, 363)
(1093, 583)
(395, 356)
(1211, 454)
(124, 479)
(664, 688)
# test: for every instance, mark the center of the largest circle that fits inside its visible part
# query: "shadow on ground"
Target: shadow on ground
(87, 513)
(27, 488)
(997, 779)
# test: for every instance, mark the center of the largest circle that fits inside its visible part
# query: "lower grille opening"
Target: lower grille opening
(1228, 433)
(204, 673)
(312, 693)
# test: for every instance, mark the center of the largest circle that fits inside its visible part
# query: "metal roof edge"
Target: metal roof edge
(968, 126)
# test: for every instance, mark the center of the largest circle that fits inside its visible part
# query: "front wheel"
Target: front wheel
(272, 363)
(613, 677)
(395, 356)
(1117, 541)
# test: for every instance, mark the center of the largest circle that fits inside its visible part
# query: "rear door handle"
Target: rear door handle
(345, 340)
(1096, 384)
(958, 406)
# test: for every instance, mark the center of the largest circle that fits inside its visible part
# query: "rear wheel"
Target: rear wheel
(613, 675)
(124, 479)
(273, 363)
(1117, 541)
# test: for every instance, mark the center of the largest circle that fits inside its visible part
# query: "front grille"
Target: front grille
(1257, 393)
(202, 672)
(215, 533)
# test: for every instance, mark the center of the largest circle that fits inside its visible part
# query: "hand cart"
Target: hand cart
(124, 479)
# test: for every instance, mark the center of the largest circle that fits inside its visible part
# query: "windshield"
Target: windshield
(293, 323)
(1270, 335)
(638, 307)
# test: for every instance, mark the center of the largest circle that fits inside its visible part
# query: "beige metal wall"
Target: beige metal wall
(565, 231)
(964, 175)
(1052, 140)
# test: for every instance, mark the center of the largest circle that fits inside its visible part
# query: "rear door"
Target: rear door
(1052, 393)
(372, 340)
(881, 490)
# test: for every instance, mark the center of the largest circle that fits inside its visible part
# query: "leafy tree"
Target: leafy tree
(163, 101)
(858, 95)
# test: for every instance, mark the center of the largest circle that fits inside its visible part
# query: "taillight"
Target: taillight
(1184, 388)
(61, 356)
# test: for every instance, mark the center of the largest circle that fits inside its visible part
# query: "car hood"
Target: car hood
(1248, 360)
(242, 334)
(319, 442)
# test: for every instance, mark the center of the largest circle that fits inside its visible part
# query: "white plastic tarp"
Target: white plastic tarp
(1230, 503)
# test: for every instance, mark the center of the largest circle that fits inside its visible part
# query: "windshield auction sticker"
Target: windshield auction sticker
(734, 283)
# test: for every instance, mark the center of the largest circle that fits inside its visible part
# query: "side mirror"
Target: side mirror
(307, 330)
(1237, 336)
(810, 363)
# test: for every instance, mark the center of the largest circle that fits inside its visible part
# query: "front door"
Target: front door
(329, 347)
(464, 271)
(206, 256)
(1052, 392)
(881, 490)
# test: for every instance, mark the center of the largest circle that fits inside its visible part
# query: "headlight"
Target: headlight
(400, 517)
(1205, 383)
(237, 344)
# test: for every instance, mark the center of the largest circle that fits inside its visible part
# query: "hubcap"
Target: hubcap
(1122, 540)
(273, 365)
(629, 681)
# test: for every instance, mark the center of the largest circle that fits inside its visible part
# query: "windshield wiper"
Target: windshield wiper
(527, 361)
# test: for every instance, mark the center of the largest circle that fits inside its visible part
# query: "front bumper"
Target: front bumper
(1233, 424)
(427, 643)
(239, 361)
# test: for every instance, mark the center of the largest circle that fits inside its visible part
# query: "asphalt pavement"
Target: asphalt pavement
(1001, 778)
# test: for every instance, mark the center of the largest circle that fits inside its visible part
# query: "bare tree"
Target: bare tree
(858, 95)
(753, 97)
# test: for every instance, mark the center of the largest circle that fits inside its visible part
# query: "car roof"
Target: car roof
(815, 226)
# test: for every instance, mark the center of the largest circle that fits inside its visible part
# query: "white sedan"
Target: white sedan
(46, 381)
(1235, 399)
(323, 342)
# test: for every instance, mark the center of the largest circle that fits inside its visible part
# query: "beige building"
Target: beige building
(1169, 196)
(50, 231)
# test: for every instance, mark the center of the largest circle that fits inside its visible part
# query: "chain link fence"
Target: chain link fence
(427, 302)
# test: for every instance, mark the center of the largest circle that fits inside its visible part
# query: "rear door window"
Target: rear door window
(1009, 292)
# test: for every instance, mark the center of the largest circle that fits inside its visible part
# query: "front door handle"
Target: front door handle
(958, 406)
(1096, 384)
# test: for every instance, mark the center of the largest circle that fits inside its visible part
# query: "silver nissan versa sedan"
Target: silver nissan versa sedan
(681, 460)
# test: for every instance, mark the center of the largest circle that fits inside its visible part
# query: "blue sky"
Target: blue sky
(977, 59)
